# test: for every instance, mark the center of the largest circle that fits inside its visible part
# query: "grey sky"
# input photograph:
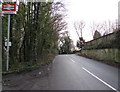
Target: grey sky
(89, 11)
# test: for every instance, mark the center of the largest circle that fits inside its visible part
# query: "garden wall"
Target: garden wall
(108, 55)
(105, 48)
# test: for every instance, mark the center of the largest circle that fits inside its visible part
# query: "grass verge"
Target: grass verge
(22, 67)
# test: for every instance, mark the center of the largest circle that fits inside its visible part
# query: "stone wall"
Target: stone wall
(106, 48)
(108, 55)
(106, 41)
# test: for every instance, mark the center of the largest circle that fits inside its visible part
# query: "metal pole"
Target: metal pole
(0, 47)
(8, 36)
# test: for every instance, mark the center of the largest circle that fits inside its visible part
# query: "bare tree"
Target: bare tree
(79, 25)
(92, 28)
(109, 26)
(96, 26)
(105, 27)
(113, 25)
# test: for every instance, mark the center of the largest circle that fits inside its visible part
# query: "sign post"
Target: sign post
(8, 8)
(8, 36)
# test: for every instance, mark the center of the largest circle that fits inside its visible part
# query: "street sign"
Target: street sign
(9, 8)
(7, 44)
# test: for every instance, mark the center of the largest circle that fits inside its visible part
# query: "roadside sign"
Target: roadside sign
(9, 8)
(7, 44)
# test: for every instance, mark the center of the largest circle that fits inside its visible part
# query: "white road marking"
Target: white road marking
(100, 79)
(72, 57)
(53, 60)
(73, 60)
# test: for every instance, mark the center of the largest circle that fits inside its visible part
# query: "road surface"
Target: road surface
(67, 72)
(72, 72)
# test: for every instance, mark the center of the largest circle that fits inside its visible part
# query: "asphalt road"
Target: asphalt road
(72, 72)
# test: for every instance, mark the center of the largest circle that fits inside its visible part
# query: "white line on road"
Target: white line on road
(73, 60)
(100, 79)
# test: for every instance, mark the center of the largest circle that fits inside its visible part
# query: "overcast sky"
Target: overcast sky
(89, 11)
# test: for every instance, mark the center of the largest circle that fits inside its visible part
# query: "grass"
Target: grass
(27, 66)
(24, 67)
